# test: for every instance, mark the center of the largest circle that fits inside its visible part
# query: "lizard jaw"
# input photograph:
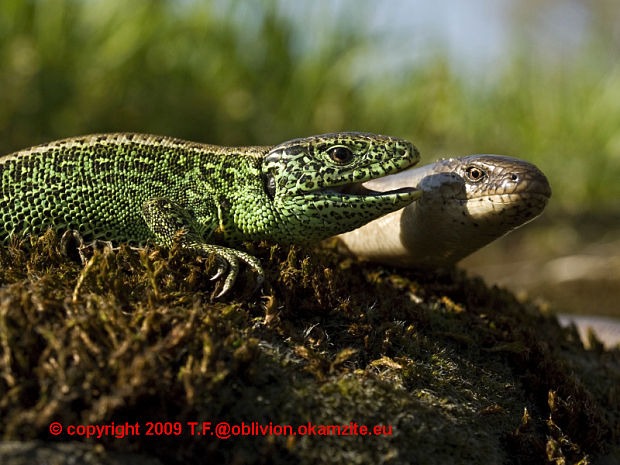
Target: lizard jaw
(359, 190)
(356, 194)
(354, 189)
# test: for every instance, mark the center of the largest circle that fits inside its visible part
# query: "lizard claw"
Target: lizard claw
(229, 261)
(222, 267)
(233, 270)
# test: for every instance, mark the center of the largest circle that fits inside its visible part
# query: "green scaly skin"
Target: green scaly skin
(134, 188)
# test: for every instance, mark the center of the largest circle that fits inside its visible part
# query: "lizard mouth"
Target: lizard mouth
(358, 190)
(354, 189)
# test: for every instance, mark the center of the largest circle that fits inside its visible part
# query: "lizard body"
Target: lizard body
(134, 188)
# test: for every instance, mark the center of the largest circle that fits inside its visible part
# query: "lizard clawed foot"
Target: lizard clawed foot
(228, 262)
(166, 218)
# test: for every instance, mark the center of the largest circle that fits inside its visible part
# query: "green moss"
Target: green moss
(446, 364)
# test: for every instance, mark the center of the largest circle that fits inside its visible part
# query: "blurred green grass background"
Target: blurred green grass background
(245, 73)
(235, 73)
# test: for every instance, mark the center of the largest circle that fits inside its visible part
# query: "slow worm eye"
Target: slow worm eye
(474, 173)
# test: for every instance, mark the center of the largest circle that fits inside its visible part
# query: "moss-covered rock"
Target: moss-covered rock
(450, 370)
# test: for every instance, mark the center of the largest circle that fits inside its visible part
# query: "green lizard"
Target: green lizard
(134, 188)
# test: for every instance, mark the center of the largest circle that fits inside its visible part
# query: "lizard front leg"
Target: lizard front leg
(165, 218)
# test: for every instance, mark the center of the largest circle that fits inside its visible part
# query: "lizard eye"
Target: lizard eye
(474, 173)
(340, 154)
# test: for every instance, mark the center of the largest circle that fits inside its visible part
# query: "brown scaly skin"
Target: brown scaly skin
(466, 203)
